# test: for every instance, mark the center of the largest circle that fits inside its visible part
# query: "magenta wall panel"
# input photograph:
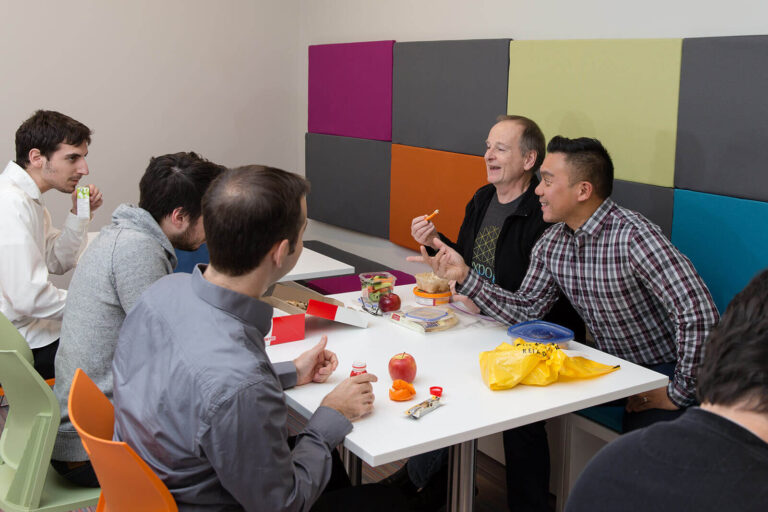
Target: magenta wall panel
(350, 89)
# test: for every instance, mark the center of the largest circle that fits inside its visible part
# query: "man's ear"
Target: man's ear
(529, 160)
(178, 217)
(585, 191)
(280, 252)
(36, 159)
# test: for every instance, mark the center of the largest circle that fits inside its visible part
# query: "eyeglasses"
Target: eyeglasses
(372, 309)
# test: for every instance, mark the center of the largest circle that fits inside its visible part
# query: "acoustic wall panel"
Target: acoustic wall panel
(350, 182)
(723, 117)
(726, 238)
(447, 94)
(350, 89)
(655, 203)
(424, 180)
(623, 92)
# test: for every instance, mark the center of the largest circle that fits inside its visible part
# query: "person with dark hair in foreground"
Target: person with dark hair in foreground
(50, 155)
(714, 457)
(125, 258)
(194, 390)
(641, 298)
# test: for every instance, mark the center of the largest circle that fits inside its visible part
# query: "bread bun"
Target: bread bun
(430, 283)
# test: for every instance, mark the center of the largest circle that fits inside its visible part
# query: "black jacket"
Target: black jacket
(518, 235)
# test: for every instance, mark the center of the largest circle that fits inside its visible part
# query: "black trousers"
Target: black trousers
(526, 454)
(44, 359)
(340, 495)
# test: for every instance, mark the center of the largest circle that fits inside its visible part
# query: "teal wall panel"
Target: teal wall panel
(726, 238)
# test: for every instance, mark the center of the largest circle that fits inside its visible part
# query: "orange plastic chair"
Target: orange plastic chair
(128, 484)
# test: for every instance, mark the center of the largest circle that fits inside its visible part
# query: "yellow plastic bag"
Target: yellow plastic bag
(534, 364)
(504, 367)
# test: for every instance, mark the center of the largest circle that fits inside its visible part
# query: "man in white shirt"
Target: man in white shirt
(50, 154)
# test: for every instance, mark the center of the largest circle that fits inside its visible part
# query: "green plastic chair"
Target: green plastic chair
(28, 482)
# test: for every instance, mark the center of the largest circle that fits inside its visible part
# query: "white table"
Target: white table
(448, 359)
(312, 265)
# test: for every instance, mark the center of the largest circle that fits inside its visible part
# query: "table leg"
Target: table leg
(353, 464)
(461, 472)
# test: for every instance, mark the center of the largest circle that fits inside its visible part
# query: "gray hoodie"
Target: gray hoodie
(122, 261)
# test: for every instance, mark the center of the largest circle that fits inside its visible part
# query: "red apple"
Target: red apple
(389, 302)
(402, 366)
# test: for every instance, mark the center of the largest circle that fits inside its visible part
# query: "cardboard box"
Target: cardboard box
(290, 327)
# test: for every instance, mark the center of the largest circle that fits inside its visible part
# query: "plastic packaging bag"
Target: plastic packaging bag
(534, 364)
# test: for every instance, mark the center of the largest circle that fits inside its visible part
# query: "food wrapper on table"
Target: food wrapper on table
(425, 319)
(534, 364)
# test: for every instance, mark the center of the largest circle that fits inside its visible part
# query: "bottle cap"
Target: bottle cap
(436, 391)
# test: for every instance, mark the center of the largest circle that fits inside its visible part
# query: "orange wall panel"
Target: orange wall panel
(423, 180)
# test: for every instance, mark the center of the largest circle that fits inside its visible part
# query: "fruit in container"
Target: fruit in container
(403, 367)
(375, 284)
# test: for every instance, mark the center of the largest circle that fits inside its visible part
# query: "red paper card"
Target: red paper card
(322, 309)
(287, 328)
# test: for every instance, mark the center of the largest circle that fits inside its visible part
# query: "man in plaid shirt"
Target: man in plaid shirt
(640, 297)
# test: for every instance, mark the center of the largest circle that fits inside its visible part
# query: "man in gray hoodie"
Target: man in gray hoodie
(130, 254)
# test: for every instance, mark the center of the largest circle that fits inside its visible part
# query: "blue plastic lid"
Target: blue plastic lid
(540, 331)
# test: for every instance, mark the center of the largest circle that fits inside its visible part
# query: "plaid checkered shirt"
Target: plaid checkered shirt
(640, 297)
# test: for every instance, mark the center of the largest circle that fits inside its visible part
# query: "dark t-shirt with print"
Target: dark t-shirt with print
(484, 252)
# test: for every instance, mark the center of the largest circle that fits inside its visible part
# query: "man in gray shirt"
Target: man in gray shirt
(133, 252)
(195, 393)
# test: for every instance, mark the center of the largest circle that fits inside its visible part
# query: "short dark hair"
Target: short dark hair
(176, 180)
(532, 138)
(591, 160)
(46, 130)
(735, 366)
(246, 211)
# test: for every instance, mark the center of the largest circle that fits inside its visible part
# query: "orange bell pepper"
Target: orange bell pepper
(401, 391)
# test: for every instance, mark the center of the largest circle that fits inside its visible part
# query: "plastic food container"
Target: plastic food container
(431, 299)
(375, 284)
(540, 331)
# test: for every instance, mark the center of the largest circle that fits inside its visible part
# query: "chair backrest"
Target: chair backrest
(11, 339)
(30, 430)
(127, 482)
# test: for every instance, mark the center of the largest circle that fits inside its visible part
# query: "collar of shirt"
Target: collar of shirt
(597, 221)
(248, 310)
(22, 179)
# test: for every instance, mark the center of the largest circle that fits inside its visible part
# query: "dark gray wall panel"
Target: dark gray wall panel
(723, 117)
(350, 182)
(654, 202)
(447, 94)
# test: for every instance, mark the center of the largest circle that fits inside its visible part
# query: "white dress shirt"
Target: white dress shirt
(30, 248)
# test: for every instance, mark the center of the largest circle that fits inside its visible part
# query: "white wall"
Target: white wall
(341, 21)
(154, 77)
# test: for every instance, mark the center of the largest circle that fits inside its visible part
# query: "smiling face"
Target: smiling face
(504, 162)
(64, 169)
(558, 197)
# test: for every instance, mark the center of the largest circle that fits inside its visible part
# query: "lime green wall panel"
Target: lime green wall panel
(623, 92)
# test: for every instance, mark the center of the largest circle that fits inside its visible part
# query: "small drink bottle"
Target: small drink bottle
(358, 368)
